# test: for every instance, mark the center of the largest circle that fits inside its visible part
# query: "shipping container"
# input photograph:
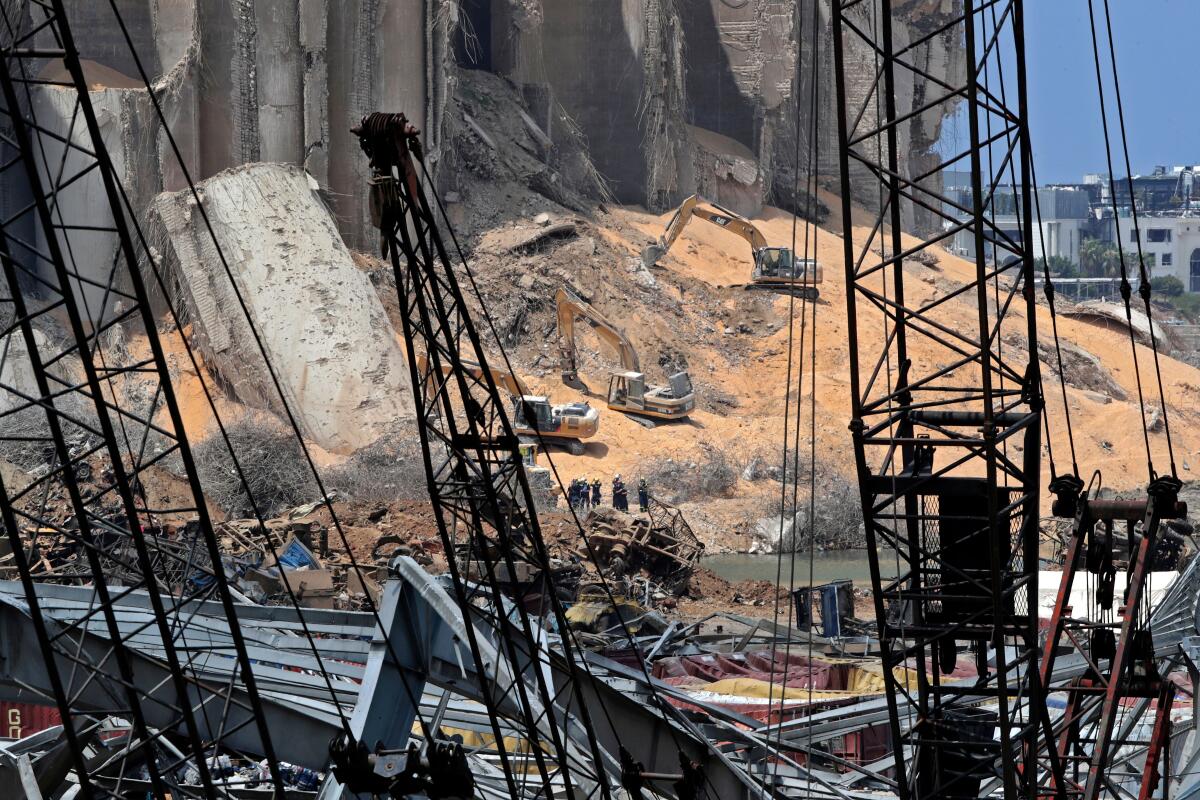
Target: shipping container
(19, 720)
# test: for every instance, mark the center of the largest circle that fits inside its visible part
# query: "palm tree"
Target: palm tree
(1098, 259)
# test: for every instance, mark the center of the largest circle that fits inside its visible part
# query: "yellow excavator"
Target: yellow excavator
(627, 389)
(533, 415)
(776, 269)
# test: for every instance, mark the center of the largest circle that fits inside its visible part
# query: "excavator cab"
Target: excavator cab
(778, 269)
(774, 262)
(780, 263)
(564, 425)
(627, 392)
(534, 413)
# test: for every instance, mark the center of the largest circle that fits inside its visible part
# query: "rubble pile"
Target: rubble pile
(266, 560)
(659, 547)
(303, 548)
(300, 549)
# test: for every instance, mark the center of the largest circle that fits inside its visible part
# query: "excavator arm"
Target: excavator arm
(571, 307)
(505, 380)
(709, 212)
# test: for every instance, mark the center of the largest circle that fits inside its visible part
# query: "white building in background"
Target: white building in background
(1064, 218)
(1173, 240)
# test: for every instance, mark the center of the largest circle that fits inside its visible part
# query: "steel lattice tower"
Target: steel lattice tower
(477, 484)
(84, 411)
(946, 394)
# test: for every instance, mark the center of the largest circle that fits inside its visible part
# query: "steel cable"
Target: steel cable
(1145, 288)
(1126, 289)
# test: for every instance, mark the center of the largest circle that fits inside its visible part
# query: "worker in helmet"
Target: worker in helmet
(620, 495)
(643, 496)
(596, 493)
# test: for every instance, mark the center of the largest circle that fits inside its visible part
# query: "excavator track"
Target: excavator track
(805, 292)
(575, 447)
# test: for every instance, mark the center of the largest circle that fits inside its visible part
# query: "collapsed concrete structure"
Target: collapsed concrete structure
(672, 98)
(322, 323)
(661, 98)
(677, 98)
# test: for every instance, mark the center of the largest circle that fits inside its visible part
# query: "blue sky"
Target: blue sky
(1158, 70)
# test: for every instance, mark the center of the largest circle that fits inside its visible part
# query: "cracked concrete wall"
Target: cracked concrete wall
(944, 57)
(676, 97)
(129, 129)
(670, 96)
(592, 62)
(320, 319)
(100, 39)
(164, 33)
(314, 44)
(662, 111)
(382, 55)
(741, 70)
(615, 67)
(284, 80)
(280, 69)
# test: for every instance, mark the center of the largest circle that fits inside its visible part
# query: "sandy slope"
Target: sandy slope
(1108, 436)
(736, 346)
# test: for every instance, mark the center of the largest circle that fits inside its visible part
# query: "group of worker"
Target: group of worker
(582, 495)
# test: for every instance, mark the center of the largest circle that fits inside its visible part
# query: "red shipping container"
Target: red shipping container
(18, 720)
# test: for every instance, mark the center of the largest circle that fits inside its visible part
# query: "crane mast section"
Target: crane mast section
(946, 404)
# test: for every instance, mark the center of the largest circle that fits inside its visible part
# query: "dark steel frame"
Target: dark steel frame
(115, 525)
(965, 422)
(476, 476)
(1085, 737)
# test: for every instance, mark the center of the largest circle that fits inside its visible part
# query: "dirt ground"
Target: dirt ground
(736, 345)
(690, 312)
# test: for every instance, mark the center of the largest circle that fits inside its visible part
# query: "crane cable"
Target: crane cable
(1144, 288)
(781, 546)
(815, 230)
(793, 545)
(890, 331)
(1051, 301)
(1126, 289)
(1048, 288)
(999, 312)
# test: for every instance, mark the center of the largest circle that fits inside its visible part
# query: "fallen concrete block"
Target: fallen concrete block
(321, 323)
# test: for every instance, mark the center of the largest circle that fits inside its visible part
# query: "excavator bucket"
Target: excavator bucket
(652, 253)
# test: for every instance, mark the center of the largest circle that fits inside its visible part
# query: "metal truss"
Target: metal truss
(946, 401)
(102, 411)
(477, 483)
(1112, 635)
